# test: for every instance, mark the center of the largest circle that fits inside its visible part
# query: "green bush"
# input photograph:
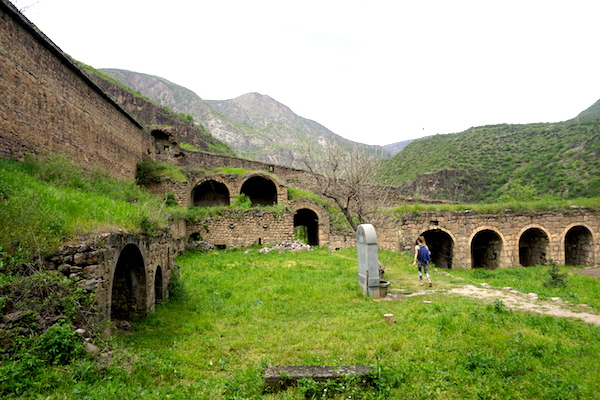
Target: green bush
(59, 345)
(148, 172)
(556, 279)
(170, 200)
(243, 201)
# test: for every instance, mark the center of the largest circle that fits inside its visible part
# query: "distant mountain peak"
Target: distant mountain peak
(254, 125)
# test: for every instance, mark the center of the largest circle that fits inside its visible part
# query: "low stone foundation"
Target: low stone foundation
(280, 377)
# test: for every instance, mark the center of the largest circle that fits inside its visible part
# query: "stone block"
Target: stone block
(280, 377)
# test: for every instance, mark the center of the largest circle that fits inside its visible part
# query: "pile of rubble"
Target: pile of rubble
(201, 245)
(287, 245)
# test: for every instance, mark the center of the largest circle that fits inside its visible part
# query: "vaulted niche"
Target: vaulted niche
(579, 246)
(306, 226)
(261, 191)
(158, 285)
(129, 285)
(441, 246)
(210, 193)
(486, 249)
(533, 247)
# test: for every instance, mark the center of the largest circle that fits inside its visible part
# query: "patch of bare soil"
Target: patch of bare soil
(514, 299)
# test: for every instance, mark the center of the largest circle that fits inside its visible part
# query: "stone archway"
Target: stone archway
(579, 246)
(158, 285)
(210, 193)
(306, 226)
(129, 291)
(261, 191)
(441, 245)
(486, 249)
(533, 247)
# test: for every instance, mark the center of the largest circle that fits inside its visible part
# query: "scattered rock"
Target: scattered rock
(80, 331)
(287, 245)
(123, 325)
(91, 348)
(201, 245)
(533, 295)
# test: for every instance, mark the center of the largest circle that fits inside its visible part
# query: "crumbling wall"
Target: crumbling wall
(92, 262)
(238, 228)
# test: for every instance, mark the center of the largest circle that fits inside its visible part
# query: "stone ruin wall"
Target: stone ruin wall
(49, 105)
(291, 177)
(92, 264)
(236, 228)
(399, 232)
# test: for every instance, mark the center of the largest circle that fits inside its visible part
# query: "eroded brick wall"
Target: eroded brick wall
(48, 105)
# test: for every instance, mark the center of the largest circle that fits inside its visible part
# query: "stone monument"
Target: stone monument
(368, 263)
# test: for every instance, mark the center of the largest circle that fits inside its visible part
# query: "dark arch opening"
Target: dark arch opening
(261, 191)
(486, 248)
(306, 226)
(210, 193)
(158, 285)
(579, 246)
(533, 247)
(441, 246)
(129, 285)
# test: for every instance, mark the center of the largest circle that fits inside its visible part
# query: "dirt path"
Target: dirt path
(513, 299)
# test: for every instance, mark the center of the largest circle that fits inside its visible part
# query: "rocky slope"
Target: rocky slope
(255, 126)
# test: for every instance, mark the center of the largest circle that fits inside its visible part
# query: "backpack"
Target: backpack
(424, 255)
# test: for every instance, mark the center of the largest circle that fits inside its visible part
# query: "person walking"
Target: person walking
(423, 257)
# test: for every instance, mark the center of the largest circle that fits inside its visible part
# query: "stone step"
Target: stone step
(280, 377)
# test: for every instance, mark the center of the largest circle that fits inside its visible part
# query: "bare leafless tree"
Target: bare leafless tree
(348, 177)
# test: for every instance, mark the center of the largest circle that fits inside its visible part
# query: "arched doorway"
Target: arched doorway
(579, 246)
(441, 246)
(486, 249)
(129, 295)
(210, 193)
(260, 190)
(158, 285)
(533, 247)
(306, 226)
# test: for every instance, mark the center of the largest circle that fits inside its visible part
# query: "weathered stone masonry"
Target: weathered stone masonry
(128, 273)
(49, 105)
(470, 240)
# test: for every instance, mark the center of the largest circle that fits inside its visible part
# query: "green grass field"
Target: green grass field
(236, 312)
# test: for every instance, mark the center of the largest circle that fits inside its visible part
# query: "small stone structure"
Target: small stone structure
(128, 273)
(368, 263)
(280, 377)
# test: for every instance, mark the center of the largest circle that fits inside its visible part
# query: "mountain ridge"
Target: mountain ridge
(254, 125)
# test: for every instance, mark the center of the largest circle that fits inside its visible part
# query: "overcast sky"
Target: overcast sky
(372, 71)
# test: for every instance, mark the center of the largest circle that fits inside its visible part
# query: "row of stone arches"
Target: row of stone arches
(130, 289)
(260, 189)
(487, 247)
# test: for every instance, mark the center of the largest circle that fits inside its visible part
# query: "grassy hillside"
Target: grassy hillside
(47, 201)
(559, 160)
(238, 311)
